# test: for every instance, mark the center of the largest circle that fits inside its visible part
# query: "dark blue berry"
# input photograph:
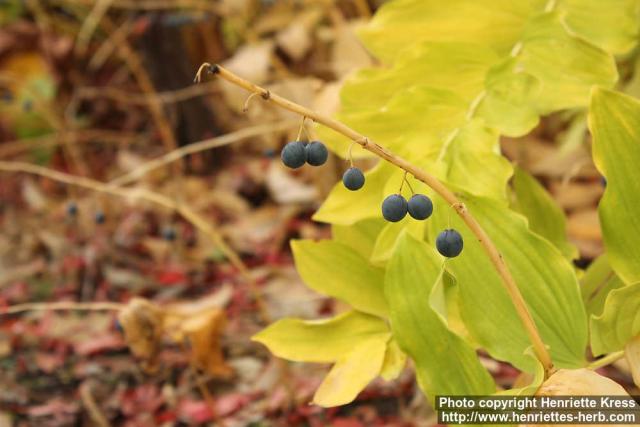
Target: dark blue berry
(394, 208)
(353, 179)
(27, 105)
(317, 153)
(7, 95)
(603, 181)
(72, 209)
(169, 234)
(294, 154)
(420, 206)
(449, 243)
(99, 217)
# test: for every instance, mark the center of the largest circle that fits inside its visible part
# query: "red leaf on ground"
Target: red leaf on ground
(230, 403)
(195, 411)
(108, 341)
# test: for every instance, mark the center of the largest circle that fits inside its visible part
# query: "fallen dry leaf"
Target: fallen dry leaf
(142, 322)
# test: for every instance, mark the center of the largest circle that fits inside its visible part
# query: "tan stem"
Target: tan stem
(494, 255)
(62, 305)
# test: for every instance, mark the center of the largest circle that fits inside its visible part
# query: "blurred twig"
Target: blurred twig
(196, 5)
(62, 305)
(89, 402)
(126, 97)
(90, 23)
(187, 213)
(19, 146)
(201, 146)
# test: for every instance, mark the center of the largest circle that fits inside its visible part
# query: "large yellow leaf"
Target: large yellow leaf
(356, 342)
(401, 23)
(614, 122)
(546, 279)
(565, 65)
(445, 363)
(609, 24)
(334, 269)
(545, 217)
(352, 372)
(322, 341)
(619, 322)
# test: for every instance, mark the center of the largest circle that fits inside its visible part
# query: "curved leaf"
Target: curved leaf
(401, 23)
(545, 278)
(545, 217)
(611, 25)
(352, 372)
(565, 65)
(614, 122)
(619, 322)
(334, 269)
(445, 363)
(322, 341)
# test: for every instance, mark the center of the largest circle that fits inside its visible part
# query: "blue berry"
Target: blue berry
(353, 179)
(294, 155)
(394, 208)
(99, 217)
(72, 209)
(169, 234)
(317, 153)
(449, 243)
(27, 105)
(420, 206)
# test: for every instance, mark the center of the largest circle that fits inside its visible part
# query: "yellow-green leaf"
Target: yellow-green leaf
(614, 122)
(321, 341)
(611, 25)
(545, 278)
(402, 23)
(445, 363)
(334, 269)
(352, 372)
(458, 67)
(394, 361)
(545, 217)
(388, 238)
(536, 381)
(345, 207)
(619, 322)
(360, 236)
(507, 105)
(565, 65)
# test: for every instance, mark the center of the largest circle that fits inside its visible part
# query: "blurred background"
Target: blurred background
(95, 89)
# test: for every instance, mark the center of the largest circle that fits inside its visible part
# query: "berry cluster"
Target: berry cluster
(297, 153)
(394, 208)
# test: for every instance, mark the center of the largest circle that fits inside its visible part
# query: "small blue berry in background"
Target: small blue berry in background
(603, 181)
(169, 234)
(294, 154)
(269, 152)
(394, 208)
(72, 209)
(449, 243)
(99, 217)
(420, 206)
(27, 105)
(317, 153)
(353, 179)
(6, 95)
